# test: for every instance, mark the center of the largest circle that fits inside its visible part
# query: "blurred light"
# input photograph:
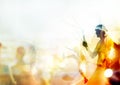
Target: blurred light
(48, 60)
(34, 71)
(114, 32)
(112, 53)
(62, 65)
(83, 67)
(108, 73)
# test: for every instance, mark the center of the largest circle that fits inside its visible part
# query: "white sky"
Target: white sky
(55, 22)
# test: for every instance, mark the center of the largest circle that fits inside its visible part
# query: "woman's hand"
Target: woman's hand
(84, 43)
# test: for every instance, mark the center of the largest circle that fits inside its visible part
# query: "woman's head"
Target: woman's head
(100, 30)
(20, 52)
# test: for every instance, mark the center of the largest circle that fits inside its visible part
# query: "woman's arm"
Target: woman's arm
(91, 53)
(11, 76)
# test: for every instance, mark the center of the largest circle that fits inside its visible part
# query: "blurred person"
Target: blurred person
(20, 71)
(32, 54)
(102, 50)
(5, 74)
(103, 46)
(110, 54)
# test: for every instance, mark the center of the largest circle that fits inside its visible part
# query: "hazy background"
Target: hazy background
(52, 26)
(51, 23)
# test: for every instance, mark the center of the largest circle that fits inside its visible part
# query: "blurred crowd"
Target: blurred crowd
(49, 70)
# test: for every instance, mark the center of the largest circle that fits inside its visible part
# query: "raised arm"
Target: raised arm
(91, 53)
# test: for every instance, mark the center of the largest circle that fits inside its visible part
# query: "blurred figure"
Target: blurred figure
(5, 77)
(21, 71)
(102, 49)
(33, 68)
(32, 52)
(103, 46)
(4, 72)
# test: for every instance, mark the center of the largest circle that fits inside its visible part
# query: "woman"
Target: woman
(102, 50)
(21, 71)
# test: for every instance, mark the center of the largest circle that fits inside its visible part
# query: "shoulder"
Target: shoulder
(109, 40)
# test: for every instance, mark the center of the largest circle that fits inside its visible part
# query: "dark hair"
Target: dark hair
(100, 27)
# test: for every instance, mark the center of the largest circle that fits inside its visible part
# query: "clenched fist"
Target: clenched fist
(84, 43)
